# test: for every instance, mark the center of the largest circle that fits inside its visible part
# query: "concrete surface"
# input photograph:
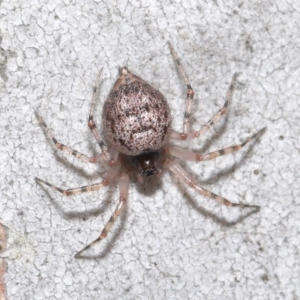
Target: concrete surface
(171, 242)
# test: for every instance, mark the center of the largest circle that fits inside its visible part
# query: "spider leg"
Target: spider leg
(184, 176)
(124, 185)
(91, 122)
(186, 154)
(220, 113)
(194, 134)
(65, 148)
(110, 175)
(189, 98)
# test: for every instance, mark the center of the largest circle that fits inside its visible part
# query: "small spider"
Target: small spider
(137, 123)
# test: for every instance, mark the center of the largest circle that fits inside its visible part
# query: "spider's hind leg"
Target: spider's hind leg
(189, 95)
(65, 148)
(91, 122)
(195, 134)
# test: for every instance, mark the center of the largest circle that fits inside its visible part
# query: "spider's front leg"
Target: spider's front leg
(186, 154)
(175, 168)
(124, 186)
(108, 178)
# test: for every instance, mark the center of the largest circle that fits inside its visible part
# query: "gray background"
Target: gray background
(171, 242)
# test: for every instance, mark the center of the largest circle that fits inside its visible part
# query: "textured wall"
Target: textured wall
(171, 242)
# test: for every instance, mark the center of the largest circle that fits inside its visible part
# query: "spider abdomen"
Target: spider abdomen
(136, 117)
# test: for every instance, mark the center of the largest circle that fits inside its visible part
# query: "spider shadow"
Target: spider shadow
(150, 186)
(215, 135)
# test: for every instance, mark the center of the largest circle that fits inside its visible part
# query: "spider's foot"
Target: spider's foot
(241, 205)
(50, 185)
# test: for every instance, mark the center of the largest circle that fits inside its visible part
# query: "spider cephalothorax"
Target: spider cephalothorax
(147, 164)
(137, 125)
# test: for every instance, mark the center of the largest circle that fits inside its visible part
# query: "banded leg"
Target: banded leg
(110, 175)
(66, 149)
(123, 185)
(91, 122)
(214, 120)
(186, 154)
(190, 95)
(184, 176)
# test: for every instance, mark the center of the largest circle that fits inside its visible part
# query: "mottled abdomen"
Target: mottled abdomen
(136, 117)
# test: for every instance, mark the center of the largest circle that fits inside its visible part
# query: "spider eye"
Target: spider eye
(149, 172)
(146, 163)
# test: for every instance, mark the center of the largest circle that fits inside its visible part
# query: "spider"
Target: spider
(138, 128)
